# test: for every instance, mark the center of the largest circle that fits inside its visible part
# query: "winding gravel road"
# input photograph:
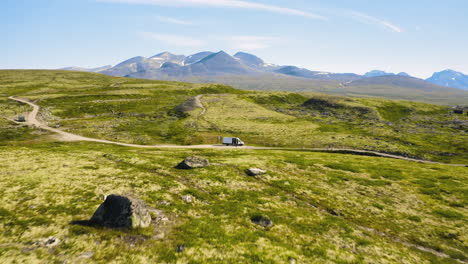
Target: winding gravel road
(31, 120)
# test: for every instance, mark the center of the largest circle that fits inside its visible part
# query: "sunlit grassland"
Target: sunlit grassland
(321, 204)
(326, 208)
(144, 112)
(232, 116)
(282, 119)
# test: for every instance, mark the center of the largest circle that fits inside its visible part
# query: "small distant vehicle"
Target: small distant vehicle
(21, 119)
(232, 141)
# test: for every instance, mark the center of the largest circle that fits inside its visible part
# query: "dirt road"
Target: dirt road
(31, 120)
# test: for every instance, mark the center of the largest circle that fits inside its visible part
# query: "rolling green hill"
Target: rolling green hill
(325, 207)
(145, 112)
(361, 88)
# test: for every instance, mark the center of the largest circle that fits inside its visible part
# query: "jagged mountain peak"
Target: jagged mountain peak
(194, 58)
(136, 59)
(165, 54)
(221, 55)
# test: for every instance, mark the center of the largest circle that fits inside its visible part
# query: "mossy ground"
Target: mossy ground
(321, 205)
(326, 208)
(144, 112)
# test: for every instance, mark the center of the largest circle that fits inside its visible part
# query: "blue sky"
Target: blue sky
(418, 37)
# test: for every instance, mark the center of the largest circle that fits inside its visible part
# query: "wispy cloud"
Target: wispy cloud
(226, 4)
(175, 40)
(374, 20)
(172, 20)
(249, 43)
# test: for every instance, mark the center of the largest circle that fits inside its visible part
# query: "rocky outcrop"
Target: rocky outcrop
(193, 162)
(122, 212)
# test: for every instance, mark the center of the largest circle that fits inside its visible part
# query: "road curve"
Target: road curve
(31, 120)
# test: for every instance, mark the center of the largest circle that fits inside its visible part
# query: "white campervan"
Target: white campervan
(232, 141)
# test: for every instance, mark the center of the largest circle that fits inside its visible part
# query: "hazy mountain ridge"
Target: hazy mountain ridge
(378, 73)
(168, 66)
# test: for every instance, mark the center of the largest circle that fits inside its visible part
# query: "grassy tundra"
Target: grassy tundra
(145, 112)
(326, 208)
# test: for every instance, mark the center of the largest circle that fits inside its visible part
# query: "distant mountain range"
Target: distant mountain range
(206, 66)
(450, 78)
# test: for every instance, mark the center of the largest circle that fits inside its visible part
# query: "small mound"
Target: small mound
(190, 105)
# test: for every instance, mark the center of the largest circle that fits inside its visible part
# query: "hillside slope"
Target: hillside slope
(146, 112)
(247, 71)
(277, 82)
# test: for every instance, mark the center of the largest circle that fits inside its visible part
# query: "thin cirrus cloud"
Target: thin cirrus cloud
(374, 20)
(175, 40)
(241, 4)
(176, 21)
(249, 43)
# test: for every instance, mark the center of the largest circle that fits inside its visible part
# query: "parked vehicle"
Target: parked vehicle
(232, 141)
(21, 119)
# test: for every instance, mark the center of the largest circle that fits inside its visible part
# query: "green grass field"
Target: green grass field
(145, 112)
(325, 207)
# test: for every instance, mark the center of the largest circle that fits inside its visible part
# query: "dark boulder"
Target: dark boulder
(193, 162)
(121, 212)
(261, 221)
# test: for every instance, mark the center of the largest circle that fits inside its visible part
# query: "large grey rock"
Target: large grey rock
(193, 162)
(122, 212)
(255, 172)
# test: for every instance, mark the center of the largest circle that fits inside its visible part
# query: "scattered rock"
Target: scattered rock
(261, 221)
(134, 240)
(158, 216)
(193, 162)
(121, 212)
(255, 172)
(166, 203)
(180, 248)
(187, 198)
(27, 249)
(158, 236)
(292, 260)
(87, 255)
(333, 212)
(48, 242)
